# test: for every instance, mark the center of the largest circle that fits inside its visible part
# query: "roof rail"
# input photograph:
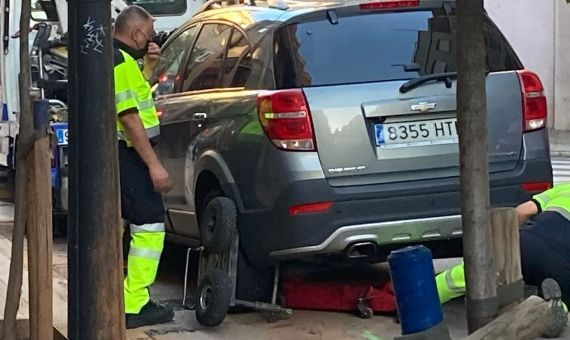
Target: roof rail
(278, 4)
(212, 4)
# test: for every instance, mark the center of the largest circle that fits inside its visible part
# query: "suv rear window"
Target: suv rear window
(376, 47)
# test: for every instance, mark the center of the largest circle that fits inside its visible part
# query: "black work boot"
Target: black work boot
(150, 314)
(551, 292)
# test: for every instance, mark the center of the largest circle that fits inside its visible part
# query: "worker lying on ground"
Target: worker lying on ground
(544, 244)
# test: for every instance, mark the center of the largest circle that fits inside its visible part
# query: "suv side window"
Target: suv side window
(204, 67)
(237, 66)
(170, 61)
(500, 55)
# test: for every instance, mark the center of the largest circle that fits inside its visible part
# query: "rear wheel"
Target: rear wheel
(253, 283)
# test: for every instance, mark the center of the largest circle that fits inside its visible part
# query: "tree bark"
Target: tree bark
(24, 139)
(472, 126)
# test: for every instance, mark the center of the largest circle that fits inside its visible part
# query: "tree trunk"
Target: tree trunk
(23, 142)
(472, 126)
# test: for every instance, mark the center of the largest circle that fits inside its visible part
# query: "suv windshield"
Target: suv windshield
(376, 47)
(161, 7)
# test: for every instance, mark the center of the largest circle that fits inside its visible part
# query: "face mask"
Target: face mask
(139, 54)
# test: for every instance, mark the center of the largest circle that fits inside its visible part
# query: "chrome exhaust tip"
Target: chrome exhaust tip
(361, 250)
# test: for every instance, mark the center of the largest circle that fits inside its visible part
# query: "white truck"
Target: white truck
(169, 14)
(50, 20)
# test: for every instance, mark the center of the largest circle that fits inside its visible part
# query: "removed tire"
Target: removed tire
(214, 295)
(218, 225)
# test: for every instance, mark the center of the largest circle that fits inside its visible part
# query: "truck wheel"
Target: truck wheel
(59, 224)
(214, 295)
(218, 225)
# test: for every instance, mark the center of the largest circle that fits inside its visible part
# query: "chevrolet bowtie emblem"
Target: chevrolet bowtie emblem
(423, 107)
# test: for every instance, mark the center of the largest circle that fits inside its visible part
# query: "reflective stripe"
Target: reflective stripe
(130, 94)
(125, 95)
(153, 131)
(147, 228)
(150, 133)
(146, 104)
(565, 194)
(451, 284)
(145, 253)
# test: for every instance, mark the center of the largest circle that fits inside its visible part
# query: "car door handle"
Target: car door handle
(201, 116)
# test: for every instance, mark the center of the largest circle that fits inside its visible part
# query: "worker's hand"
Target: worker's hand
(153, 52)
(526, 211)
(151, 60)
(160, 178)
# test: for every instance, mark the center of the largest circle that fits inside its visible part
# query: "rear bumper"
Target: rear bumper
(382, 233)
(387, 215)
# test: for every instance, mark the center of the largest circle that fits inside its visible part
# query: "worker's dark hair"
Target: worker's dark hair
(128, 15)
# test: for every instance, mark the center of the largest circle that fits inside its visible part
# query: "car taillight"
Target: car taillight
(286, 119)
(310, 208)
(534, 101)
(536, 186)
(389, 4)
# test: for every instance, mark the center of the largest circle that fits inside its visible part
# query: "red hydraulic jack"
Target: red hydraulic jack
(364, 298)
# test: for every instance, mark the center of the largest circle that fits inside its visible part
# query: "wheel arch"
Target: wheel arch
(213, 173)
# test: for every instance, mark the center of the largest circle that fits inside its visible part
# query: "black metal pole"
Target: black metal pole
(96, 308)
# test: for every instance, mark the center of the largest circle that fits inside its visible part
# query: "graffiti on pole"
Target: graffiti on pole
(93, 39)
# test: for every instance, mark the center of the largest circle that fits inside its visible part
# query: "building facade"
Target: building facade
(539, 31)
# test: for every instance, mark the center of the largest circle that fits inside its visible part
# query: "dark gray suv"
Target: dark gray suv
(329, 129)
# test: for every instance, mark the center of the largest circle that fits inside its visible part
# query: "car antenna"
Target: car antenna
(333, 17)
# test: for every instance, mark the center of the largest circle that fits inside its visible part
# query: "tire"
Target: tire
(214, 295)
(218, 225)
(59, 224)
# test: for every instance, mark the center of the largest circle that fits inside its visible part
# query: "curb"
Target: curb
(560, 154)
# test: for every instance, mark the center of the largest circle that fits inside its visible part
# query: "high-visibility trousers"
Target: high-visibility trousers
(146, 246)
(144, 209)
(451, 283)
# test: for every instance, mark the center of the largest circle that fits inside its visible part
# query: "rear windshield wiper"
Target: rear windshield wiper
(413, 83)
(446, 77)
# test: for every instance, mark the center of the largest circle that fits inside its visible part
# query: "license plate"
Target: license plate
(62, 136)
(428, 132)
